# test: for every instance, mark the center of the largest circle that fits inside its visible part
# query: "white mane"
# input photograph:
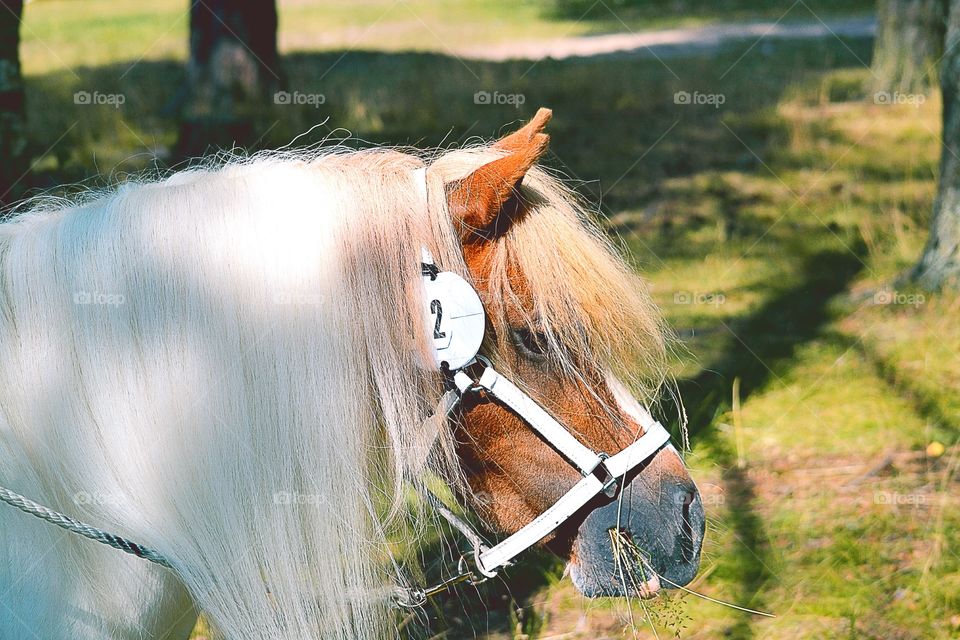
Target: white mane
(222, 366)
(224, 358)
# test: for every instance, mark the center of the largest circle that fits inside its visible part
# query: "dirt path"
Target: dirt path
(671, 42)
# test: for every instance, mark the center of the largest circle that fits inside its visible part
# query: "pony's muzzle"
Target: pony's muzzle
(647, 537)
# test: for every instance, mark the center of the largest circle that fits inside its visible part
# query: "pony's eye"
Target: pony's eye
(532, 342)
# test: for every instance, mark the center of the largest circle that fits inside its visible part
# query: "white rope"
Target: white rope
(87, 531)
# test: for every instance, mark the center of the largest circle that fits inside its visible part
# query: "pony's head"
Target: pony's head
(574, 327)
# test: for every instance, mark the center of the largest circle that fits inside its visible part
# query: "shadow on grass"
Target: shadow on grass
(653, 11)
(944, 425)
(763, 347)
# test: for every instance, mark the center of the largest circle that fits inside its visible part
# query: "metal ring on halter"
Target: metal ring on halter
(413, 598)
(482, 360)
(472, 578)
(474, 386)
(610, 482)
(478, 563)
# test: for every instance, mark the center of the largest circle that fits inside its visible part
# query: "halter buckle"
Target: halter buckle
(466, 379)
(610, 482)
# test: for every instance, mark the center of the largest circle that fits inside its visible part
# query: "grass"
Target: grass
(770, 228)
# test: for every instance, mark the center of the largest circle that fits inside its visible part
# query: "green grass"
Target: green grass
(765, 226)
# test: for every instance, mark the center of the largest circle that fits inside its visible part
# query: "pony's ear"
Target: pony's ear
(482, 199)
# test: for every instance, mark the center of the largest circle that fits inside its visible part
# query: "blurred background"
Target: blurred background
(771, 167)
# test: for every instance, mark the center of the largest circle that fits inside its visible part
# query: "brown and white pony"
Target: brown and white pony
(226, 365)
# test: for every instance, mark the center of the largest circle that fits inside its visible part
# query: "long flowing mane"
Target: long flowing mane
(225, 363)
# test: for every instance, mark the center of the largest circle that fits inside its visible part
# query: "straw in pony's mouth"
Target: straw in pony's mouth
(632, 567)
(630, 558)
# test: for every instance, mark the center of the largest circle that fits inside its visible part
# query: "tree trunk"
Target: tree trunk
(232, 74)
(939, 267)
(907, 47)
(13, 135)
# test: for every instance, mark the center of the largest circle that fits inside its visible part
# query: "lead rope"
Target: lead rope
(81, 528)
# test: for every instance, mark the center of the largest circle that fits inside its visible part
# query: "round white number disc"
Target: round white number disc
(454, 319)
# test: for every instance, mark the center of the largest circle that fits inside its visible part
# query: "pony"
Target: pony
(227, 365)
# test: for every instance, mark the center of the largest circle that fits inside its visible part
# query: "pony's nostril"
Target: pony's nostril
(691, 523)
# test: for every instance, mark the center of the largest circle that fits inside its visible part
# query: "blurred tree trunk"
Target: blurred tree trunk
(232, 74)
(908, 45)
(13, 134)
(939, 267)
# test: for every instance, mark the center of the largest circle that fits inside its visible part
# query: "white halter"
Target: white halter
(455, 352)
